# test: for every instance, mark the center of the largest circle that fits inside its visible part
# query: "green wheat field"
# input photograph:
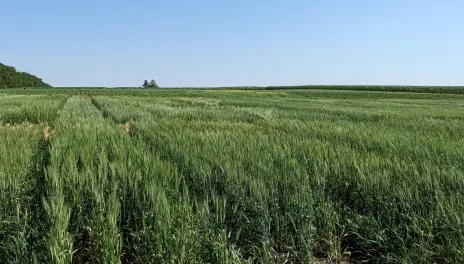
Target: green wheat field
(231, 176)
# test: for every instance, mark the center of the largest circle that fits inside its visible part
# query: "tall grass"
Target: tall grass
(112, 199)
(16, 155)
(23, 156)
(233, 176)
(35, 109)
(331, 178)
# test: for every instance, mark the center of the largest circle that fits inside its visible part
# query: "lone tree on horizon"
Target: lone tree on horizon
(151, 84)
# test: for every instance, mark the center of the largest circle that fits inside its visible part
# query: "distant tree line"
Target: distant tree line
(10, 78)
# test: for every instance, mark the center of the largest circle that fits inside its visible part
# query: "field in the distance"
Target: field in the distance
(231, 176)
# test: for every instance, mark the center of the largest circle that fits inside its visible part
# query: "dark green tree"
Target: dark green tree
(10, 78)
(153, 84)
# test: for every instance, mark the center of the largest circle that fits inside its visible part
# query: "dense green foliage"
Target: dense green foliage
(231, 176)
(10, 78)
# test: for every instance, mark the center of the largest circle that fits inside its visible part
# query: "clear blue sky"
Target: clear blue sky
(241, 42)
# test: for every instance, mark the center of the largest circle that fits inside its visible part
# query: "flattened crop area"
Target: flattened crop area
(231, 177)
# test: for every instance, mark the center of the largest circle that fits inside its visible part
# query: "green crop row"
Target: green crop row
(23, 154)
(34, 109)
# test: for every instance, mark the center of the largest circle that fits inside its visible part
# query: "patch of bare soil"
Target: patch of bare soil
(47, 133)
(125, 127)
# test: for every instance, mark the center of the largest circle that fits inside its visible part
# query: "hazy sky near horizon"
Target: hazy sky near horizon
(229, 43)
